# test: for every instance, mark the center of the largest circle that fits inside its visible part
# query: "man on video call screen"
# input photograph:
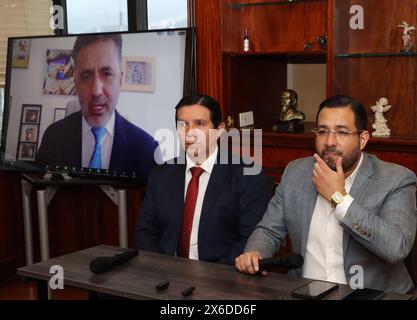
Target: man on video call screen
(97, 136)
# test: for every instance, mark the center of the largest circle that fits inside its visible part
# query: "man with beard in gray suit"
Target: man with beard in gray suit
(342, 208)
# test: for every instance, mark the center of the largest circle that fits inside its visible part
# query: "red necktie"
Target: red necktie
(189, 208)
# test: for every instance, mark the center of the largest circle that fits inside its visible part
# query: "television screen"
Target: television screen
(95, 104)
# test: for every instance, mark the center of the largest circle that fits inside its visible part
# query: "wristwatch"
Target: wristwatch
(337, 198)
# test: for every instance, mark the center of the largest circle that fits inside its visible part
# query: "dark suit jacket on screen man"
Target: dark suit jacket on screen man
(232, 203)
(71, 141)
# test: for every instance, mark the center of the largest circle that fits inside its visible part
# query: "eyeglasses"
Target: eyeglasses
(340, 134)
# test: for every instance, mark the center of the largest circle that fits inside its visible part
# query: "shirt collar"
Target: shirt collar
(86, 127)
(349, 180)
(207, 165)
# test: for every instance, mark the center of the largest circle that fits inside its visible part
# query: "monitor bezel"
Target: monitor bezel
(22, 166)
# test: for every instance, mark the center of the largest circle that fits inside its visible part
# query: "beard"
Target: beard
(348, 160)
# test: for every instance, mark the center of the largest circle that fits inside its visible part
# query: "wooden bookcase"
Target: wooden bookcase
(366, 64)
(278, 33)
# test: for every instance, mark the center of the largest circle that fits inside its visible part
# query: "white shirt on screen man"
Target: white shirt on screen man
(324, 253)
(207, 165)
(89, 142)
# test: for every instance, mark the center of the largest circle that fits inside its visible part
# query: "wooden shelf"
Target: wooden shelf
(375, 55)
(322, 53)
(365, 64)
(273, 26)
(306, 140)
(267, 3)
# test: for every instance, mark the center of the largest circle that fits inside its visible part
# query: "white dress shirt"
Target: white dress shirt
(89, 142)
(207, 165)
(324, 253)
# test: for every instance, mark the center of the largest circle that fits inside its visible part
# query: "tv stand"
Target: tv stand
(57, 177)
(46, 188)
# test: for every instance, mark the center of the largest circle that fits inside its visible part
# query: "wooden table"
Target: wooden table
(138, 278)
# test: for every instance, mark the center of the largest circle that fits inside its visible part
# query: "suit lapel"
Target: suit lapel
(74, 140)
(118, 154)
(358, 191)
(176, 185)
(214, 188)
(309, 204)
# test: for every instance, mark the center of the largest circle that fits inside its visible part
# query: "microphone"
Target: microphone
(290, 261)
(102, 264)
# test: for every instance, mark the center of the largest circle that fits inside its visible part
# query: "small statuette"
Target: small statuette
(380, 125)
(408, 43)
(230, 122)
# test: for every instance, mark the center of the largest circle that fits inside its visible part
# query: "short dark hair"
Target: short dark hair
(205, 101)
(341, 101)
(86, 40)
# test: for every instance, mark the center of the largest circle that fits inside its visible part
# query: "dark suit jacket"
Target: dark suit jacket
(233, 205)
(133, 148)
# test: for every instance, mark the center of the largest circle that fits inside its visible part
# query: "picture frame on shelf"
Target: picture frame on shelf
(29, 132)
(138, 74)
(27, 151)
(59, 73)
(246, 119)
(59, 114)
(21, 53)
(31, 113)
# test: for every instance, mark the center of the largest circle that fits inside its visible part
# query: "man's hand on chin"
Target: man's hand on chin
(325, 180)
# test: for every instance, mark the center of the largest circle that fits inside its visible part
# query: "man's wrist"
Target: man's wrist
(337, 197)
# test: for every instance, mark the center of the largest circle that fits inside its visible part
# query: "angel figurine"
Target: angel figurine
(380, 125)
(408, 45)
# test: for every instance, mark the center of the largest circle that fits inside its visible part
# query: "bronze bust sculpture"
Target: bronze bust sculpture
(290, 118)
(289, 107)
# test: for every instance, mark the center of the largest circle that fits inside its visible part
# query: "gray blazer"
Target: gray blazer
(379, 227)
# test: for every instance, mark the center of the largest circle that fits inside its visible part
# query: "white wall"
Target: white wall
(148, 110)
(309, 81)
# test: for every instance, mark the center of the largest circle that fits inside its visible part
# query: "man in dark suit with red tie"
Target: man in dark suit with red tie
(201, 208)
